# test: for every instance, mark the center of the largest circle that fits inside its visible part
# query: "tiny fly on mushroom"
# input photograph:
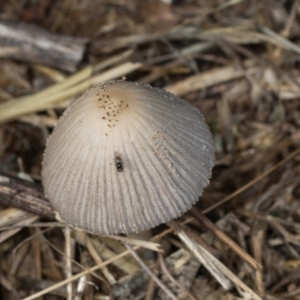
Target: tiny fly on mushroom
(119, 162)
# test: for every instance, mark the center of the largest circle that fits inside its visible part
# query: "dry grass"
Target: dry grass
(238, 62)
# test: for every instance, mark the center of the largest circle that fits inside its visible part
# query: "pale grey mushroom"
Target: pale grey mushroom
(126, 157)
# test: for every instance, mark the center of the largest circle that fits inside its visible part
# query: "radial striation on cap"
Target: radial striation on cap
(126, 157)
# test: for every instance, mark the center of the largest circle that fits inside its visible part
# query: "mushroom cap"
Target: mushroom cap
(126, 157)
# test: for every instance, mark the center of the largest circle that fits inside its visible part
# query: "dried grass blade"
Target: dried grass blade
(205, 80)
(280, 40)
(214, 266)
(148, 245)
(72, 86)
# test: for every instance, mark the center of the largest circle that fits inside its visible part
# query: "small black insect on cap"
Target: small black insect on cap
(119, 164)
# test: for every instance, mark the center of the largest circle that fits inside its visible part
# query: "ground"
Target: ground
(235, 61)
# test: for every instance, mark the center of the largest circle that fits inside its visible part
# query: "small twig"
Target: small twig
(214, 266)
(257, 237)
(171, 278)
(30, 43)
(206, 79)
(145, 244)
(268, 218)
(287, 29)
(106, 253)
(68, 257)
(151, 286)
(99, 260)
(29, 104)
(36, 271)
(205, 258)
(226, 239)
(72, 260)
(25, 195)
(80, 287)
(35, 225)
(28, 219)
(251, 183)
(280, 40)
(151, 274)
(38, 233)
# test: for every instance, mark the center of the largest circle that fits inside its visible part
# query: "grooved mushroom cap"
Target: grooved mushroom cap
(126, 157)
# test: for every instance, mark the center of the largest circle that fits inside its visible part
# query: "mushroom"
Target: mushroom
(126, 157)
